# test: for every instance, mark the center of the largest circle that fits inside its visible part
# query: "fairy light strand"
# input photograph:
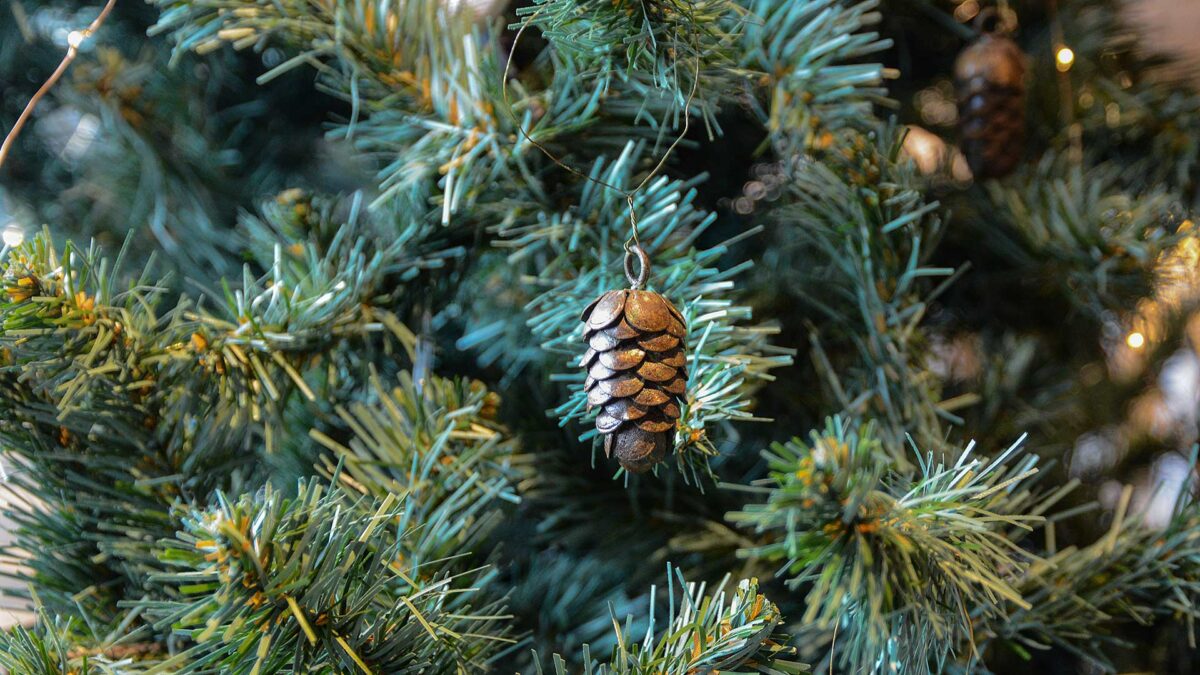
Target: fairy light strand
(74, 39)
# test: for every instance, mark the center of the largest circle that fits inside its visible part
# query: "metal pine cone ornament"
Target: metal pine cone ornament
(636, 368)
(989, 78)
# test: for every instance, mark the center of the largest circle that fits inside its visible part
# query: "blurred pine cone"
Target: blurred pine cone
(989, 77)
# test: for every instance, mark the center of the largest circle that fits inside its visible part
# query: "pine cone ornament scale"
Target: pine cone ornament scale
(636, 373)
(989, 78)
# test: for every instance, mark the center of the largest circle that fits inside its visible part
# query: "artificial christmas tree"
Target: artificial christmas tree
(290, 341)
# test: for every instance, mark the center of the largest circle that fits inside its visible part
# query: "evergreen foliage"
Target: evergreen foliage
(307, 400)
(894, 558)
(316, 582)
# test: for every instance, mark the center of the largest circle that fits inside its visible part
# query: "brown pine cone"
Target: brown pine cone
(636, 372)
(989, 77)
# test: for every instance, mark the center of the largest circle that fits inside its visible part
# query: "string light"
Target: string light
(13, 235)
(1135, 340)
(74, 39)
(1064, 59)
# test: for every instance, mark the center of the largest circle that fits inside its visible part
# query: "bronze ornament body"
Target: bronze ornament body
(636, 373)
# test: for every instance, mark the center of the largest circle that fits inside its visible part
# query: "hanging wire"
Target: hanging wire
(633, 245)
(74, 39)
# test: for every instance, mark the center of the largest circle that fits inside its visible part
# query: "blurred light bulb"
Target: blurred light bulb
(1064, 59)
(75, 38)
(968, 10)
(925, 148)
(13, 235)
(1135, 340)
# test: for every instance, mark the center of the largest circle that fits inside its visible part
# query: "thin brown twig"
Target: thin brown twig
(74, 39)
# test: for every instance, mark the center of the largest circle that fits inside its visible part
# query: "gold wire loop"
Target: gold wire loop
(1000, 20)
(633, 243)
(636, 281)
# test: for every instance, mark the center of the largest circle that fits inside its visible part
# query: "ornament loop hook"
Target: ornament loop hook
(996, 21)
(636, 281)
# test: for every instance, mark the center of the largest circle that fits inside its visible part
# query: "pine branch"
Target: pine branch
(60, 647)
(316, 300)
(314, 582)
(89, 431)
(125, 521)
(436, 442)
(49, 650)
(1074, 227)
(423, 80)
(669, 51)
(1079, 596)
(249, 352)
(851, 245)
(809, 57)
(896, 563)
(105, 488)
(432, 111)
(717, 631)
(114, 413)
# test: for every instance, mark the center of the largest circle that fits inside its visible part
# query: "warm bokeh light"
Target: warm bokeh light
(966, 11)
(1135, 340)
(1064, 59)
(926, 149)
